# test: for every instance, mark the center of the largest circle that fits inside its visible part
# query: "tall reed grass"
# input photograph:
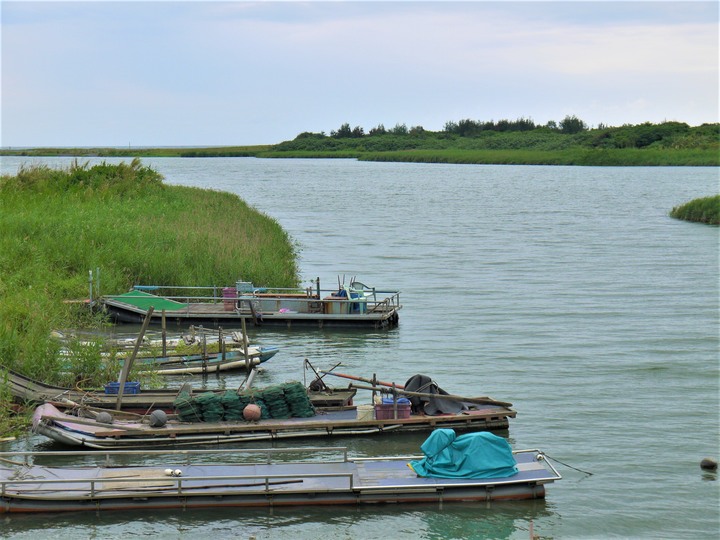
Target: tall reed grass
(57, 225)
(571, 156)
(703, 210)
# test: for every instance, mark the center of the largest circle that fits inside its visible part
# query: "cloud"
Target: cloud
(246, 73)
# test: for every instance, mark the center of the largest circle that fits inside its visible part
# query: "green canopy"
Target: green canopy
(144, 300)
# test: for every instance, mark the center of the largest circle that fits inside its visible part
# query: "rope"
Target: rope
(570, 466)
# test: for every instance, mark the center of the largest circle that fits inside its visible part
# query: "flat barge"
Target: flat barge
(182, 480)
(356, 306)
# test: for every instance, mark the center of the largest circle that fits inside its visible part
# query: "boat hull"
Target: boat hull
(356, 482)
(131, 315)
(73, 431)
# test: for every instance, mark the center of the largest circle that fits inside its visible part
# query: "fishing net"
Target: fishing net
(232, 406)
(211, 406)
(274, 398)
(280, 401)
(186, 408)
(298, 400)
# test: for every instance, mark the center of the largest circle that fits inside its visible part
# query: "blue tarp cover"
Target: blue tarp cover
(473, 455)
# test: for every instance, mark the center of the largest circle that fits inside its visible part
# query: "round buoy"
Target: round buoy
(158, 418)
(708, 464)
(104, 418)
(252, 413)
(168, 472)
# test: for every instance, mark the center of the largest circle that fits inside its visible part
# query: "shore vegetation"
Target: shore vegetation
(60, 224)
(520, 142)
(702, 210)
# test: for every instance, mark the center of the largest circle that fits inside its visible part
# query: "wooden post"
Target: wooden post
(164, 335)
(395, 398)
(221, 343)
(127, 366)
(204, 349)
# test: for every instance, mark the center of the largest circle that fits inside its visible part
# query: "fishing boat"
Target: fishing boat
(196, 364)
(269, 477)
(205, 353)
(28, 391)
(333, 413)
(355, 305)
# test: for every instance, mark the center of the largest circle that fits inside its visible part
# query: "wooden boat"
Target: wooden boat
(29, 391)
(478, 414)
(187, 480)
(195, 364)
(356, 305)
(230, 353)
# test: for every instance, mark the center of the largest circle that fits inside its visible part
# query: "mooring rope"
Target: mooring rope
(570, 466)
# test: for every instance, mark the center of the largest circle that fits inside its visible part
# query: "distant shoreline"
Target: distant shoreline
(508, 143)
(623, 157)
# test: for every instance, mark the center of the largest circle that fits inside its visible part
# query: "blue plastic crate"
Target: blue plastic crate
(130, 388)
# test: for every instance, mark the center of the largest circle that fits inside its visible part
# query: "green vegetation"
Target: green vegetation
(517, 142)
(221, 151)
(59, 224)
(704, 210)
(568, 142)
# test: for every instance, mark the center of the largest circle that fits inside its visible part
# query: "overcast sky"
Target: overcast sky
(233, 73)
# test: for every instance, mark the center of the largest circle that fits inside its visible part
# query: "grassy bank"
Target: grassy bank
(59, 224)
(703, 210)
(517, 143)
(205, 151)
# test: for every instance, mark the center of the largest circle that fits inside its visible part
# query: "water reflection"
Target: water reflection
(500, 520)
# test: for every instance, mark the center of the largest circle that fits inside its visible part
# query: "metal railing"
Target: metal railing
(295, 299)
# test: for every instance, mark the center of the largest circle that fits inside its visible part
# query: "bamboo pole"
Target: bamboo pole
(373, 381)
(129, 361)
(484, 400)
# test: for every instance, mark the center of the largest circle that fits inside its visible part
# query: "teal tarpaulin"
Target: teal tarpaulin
(473, 455)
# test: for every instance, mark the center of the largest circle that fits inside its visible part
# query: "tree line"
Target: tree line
(670, 134)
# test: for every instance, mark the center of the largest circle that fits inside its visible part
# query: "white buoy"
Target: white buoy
(168, 472)
(177, 472)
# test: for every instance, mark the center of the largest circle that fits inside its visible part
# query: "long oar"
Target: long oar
(480, 400)
(362, 379)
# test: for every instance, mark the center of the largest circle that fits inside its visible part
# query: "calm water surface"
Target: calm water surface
(566, 290)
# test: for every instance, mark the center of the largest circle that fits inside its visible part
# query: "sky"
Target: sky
(206, 73)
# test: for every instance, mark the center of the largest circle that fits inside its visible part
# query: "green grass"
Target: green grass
(60, 224)
(665, 144)
(703, 210)
(209, 151)
(574, 156)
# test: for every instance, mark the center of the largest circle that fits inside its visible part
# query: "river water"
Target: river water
(565, 290)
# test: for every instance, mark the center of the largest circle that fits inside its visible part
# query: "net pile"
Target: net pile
(211, 406)
(186, 408)
(280, 401)
(298, 400)
(232, 406)
(274, 398)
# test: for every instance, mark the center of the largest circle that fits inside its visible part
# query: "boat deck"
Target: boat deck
(72, 430)
(308, 312)
(350, 481)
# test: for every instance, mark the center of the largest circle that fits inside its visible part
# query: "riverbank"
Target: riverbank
(703, 210)
(59, 224)
(667, 144)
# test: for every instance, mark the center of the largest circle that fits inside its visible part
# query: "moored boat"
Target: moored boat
(186, 479)
(341, 417)
(356, 305)
(209, 363)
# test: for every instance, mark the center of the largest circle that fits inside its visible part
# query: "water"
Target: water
(565, 290)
